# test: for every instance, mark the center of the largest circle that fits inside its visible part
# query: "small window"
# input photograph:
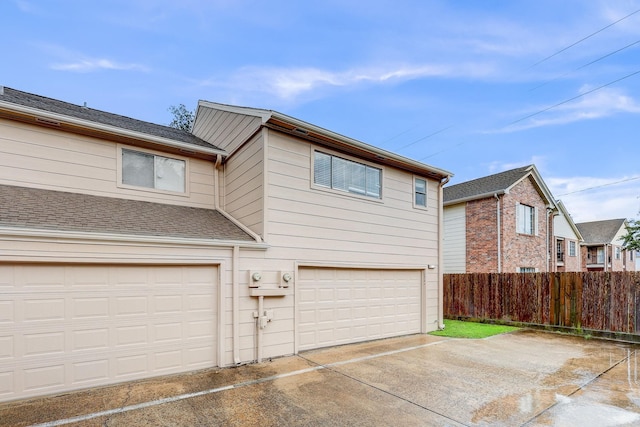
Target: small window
(617, 252)
(420, 191)
(572, 248)
(147, 170)
(346, 175)
(526, 222)
(527, 270)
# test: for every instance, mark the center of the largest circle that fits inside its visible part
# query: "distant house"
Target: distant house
(499, 223)
(130, 249)
(602, 246)
(567, 239)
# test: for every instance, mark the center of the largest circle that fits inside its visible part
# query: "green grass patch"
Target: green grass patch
(460, 329)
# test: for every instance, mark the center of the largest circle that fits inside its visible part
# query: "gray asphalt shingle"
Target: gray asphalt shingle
(23, 207)
(600, 231)
(80, 112)
(487, 184)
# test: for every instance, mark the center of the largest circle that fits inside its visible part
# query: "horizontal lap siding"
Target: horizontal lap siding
(454, 242)
(51, 159)
(244, 185)
(326, 225)
(224, 129)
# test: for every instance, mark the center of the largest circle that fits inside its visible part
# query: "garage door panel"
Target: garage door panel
(339, 306)
(96, 332)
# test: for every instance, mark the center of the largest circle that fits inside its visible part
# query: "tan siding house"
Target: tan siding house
(130, 250)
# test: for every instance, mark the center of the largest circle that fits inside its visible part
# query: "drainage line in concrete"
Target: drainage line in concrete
(624, 359)
(143, 405)
(329, 367)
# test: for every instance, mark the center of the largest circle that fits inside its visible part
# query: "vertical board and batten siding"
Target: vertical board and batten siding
(454, 242)
(244, 185)
(224, 129)
(34, 156)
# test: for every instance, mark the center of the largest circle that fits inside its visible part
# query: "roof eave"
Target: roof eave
(304, 129)
(113, 130)
(476, 197)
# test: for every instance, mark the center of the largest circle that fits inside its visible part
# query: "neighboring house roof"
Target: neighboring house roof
(499, 183)
(601, 232)
(305, 130)
(22, 207)
(42, 110)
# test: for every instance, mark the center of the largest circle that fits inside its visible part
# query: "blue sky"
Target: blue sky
(473, 87)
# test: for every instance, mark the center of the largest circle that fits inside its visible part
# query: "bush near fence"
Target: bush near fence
(608, 302)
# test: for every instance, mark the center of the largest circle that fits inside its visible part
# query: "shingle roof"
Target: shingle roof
(600, 231)
(56, 210)
(487, 184)
(80, 112)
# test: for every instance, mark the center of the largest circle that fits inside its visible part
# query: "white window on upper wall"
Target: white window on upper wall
(148, 170)
(572, 248)
(526, 219)
(420, 192)
(618, 252)
(340, 174)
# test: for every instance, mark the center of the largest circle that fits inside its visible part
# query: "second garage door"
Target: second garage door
(65, 327)
(340, 306)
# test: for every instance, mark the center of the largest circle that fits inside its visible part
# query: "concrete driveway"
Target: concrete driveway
(520, 379)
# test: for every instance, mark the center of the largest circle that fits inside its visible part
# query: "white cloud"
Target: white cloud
(84, 65)
(497, 167)
(290, 83)
(605, 102)
(596, 198)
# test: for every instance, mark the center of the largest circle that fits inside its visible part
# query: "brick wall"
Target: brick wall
(522, 250)
(482, 237)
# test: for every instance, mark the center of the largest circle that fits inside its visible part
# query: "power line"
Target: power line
(582, 39)
(425, 137)
(602, 185)
(586, 65)
(572, 99)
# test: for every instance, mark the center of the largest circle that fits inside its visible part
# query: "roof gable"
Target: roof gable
(35, 103)
(22, 207)
(601, 232)
(286, 124)
(499, 183)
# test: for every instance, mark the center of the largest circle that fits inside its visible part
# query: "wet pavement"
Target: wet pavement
(525, 378)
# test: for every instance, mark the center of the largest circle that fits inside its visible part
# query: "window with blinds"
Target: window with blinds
(346, 175)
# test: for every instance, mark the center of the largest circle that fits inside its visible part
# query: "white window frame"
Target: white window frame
(527, 270)
(157, 155)
(524, 215)
(572, 248)
(618, 252)
(416, 193)
(339, 163)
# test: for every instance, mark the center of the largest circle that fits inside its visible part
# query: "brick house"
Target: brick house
(504, 223)
(602, 246)
(567, 239)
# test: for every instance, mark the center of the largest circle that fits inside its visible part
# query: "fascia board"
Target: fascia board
(114, 130)
(12, 233)
(475, 197)
(382, 154)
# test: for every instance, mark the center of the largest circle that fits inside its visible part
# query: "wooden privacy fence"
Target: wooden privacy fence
(599, 301)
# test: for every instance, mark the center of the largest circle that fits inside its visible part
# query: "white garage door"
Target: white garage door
(339, 306)
(69, 327)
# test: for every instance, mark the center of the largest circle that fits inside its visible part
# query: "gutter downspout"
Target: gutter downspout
(235, 283)
(440, 254)
(498, 224)
(235, 273)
